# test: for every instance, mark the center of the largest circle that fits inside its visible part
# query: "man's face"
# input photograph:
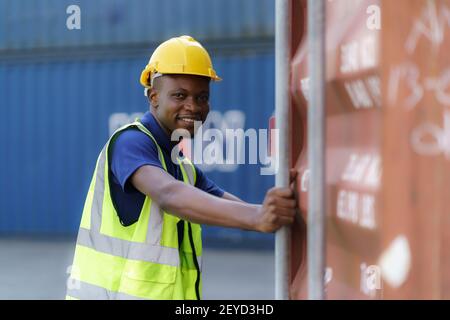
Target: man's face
(179, 100)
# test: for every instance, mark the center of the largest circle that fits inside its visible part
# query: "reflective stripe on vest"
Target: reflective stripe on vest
(93, 292)
(98, 253)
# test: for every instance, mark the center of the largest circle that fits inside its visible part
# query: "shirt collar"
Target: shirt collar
(161, 137)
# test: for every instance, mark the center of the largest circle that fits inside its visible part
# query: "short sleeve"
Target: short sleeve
(131, 150)
(204, 183)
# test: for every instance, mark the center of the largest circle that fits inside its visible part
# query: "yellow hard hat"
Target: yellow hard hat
(180, 55)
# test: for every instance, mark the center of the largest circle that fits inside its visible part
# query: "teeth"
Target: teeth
(188, 120)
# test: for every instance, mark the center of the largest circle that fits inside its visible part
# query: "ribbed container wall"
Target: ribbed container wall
(56, 118)
(62, 92)
(28, 24)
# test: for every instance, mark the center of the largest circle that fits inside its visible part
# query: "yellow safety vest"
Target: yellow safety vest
(158, 257)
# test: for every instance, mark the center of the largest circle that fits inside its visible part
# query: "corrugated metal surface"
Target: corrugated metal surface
(26, 24)
(387, 169)
(55, 118)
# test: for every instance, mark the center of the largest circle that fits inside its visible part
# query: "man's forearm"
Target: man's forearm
(232, 197)
(189, 203)
(198, 206)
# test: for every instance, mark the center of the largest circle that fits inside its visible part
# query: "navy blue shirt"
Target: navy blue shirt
(133, 149)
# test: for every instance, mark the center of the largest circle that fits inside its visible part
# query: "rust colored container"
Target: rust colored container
(387, 149)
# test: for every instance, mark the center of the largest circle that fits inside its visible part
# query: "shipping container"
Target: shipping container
(387, 151)
(28, 24)
(57, 114)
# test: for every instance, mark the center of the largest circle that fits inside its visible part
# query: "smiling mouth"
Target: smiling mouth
(189, 120)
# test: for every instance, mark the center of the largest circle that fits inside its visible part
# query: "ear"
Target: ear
(153, 97)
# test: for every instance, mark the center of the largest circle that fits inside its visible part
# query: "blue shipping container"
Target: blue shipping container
(58, 114)
(27, 24)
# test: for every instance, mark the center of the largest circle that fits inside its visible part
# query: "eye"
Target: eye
(204, 98)
(179, 95)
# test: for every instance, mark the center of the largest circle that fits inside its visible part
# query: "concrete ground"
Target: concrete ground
(37, 269)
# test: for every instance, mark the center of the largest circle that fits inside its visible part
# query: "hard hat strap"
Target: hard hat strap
(154, 76)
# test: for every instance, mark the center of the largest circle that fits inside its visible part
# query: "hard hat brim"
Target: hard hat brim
(145, 76)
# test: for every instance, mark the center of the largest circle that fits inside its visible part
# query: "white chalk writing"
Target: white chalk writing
(431, 25)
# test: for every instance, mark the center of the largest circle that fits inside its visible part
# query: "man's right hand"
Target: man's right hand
(278, 209)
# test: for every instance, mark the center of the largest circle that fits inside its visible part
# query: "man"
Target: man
(140, 234)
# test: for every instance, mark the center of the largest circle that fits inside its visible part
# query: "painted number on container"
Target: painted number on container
(358, 55)
(363, 169)
(358, 207)
(364, 93)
